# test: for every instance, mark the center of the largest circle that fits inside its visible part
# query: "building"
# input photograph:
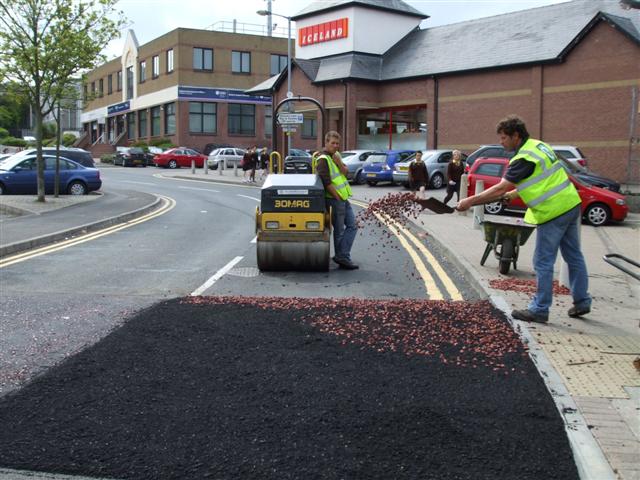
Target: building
(186, 86)
(569, 69)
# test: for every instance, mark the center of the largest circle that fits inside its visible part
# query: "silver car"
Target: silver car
(436, 160)
(355, 160)
(231, 157)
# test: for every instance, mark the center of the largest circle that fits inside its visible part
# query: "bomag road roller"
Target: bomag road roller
(293, 229)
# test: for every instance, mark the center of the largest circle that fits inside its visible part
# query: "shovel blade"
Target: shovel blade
(435, 205)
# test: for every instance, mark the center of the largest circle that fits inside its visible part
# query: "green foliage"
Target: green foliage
(166, 146)
(4, 132)
(49, 142)
(14, 142)
(142, 144)
(107, 158)
(49, 130)
(68, 139)
(158, 142)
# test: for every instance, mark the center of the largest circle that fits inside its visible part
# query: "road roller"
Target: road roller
(292, 225)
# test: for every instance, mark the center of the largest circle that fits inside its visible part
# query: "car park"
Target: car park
(78, 155)
(599, 206)
(436, 161)
(298, 161)
(210, 147)
(179, 157)
(571, 153)
(19, 175)
(229, 155)
(379, 166)
(130, 157)
(355, 160)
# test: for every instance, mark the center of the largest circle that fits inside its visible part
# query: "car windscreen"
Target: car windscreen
(136, 150)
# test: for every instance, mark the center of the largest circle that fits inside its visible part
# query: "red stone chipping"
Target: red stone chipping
(525, 286)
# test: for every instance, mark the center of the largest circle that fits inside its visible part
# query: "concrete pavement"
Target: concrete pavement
(587, 363)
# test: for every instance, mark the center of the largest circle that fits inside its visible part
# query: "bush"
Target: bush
(107, 158)
(49, 142)
(14, 142)
(159, 142)
(68, 139)
(166, 146)
(4, 132)
(141, 144)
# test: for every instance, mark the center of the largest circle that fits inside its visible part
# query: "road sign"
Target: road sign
(289, 128)
(290, 118)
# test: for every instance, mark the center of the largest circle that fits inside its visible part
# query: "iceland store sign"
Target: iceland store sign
(225, 94)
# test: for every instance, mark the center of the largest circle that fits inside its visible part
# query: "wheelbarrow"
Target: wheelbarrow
(505, 236)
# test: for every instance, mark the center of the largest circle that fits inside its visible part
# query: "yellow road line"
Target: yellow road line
(169, 204)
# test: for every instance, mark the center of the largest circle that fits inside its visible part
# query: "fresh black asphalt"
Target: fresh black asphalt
(247, 388)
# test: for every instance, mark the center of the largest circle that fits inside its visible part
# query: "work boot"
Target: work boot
(529, 316)
(346, 264)
(575, 312)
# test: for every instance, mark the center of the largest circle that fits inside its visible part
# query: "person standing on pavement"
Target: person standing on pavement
(264, 162)
(418, 176)
(553, 205)
(255, 159)
(455, 169)
(332, 172)
(245, 164)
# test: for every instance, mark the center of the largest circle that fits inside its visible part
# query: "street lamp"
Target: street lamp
(265, 13)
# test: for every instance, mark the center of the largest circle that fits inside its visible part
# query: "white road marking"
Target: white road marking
(250, 198)
(203, 189)
(140, 183)
(255, 239)
(218, 275)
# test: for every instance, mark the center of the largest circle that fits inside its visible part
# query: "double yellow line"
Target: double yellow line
(414, 248)
(167, 205)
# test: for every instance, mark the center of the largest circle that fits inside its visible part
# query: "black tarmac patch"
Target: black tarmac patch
(233, 388)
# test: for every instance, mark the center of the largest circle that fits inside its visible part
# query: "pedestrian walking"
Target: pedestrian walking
(254, 164)
(455, 169)
(553, 204)
(245, 163)
(418, 176)
(264, 163)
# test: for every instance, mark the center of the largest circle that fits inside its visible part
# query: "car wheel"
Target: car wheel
(77, 188)
(494, 208)
(597, 214)
(371, 183)
(437, 180)
(360, 180)
(172, 164)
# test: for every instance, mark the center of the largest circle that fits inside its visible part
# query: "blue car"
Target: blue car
(19, 173)
(379, 166)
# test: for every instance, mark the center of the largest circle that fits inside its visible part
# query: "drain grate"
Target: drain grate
(246, 272)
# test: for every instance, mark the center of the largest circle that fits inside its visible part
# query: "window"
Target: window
(155, 121)
(119, 81)
(202, 59)
(142, 74)
(85, 91)
(310, 127)
(155, 66)
(129, 83)
(101, 87)
(110, 84)
(445, 158)
(242, 119)
(131, 125)
(202, 117)
(240, 62)
(278, 63)
(268, 121)
(142, 123)
(490, 169)
(93, 89)
(170, 60)
(170, 119)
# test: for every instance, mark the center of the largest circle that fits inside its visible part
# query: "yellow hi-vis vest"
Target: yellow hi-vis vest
(338, 180)
(548, 192)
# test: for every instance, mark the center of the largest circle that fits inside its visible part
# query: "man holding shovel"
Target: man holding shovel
(536, 176)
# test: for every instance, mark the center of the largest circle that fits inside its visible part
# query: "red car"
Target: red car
(179, 157)
(599, 205)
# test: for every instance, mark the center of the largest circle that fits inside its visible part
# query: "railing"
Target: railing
(251, 28)
(80, 141)
(615, 259)
(100, 139)
(118, 138)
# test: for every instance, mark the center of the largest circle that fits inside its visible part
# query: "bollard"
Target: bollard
(464, 186)
(478, 210)
(235, 169)
(221, 166)
(205, 165)
(193, 166)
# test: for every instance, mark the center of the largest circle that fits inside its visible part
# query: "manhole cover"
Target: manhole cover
(244, 272)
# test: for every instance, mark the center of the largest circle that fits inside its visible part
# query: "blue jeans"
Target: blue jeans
(559, 233)
(344, 227)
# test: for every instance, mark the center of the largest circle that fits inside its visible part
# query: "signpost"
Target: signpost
(289, 128)
(290, 118)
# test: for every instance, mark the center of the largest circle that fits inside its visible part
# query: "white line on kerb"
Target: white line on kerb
(250, 198)
(202, 189)
(216, 277)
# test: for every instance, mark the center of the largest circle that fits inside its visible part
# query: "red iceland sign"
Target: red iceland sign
(323, 32)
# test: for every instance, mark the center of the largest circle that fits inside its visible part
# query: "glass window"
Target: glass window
(131, 125)
(110, 84)
(129, 83)
(240, 62)
(388, 129)
(278, 63)
(170, 60)
(445, 158)
(119, 81)
(155, 121)
(202, 59)
(310, 127)
(155, 66)
(101, 87)
(490, 169)
(202, 117)
(268, 121)
(170, 119)
(85, 91)
(93, 89)
(142, 74)
(242, 119)
(142, 123)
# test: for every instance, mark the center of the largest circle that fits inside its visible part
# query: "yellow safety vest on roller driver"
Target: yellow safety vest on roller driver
(548, 192)
(338, 180)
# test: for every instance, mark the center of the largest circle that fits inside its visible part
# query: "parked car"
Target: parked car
(437, 162)
(179, 157)
(18, 175)
(231, 156)
(589, 177)
(78, 155)
(599, 206)
(210, 147)
(130, 157)
(571, 153)
(379, 165)
(298, 161)
(355, 161)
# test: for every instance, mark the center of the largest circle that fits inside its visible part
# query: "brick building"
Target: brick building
(569, 69)
(186, 85)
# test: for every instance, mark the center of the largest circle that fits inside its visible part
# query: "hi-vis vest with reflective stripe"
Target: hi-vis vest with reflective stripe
(548, 192)
(338, 180)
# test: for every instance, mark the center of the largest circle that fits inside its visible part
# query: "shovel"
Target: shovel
(435, 205)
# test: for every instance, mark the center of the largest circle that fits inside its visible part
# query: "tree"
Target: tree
(44, 43)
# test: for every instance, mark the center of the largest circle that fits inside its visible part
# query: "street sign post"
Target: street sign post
(290, 118)
(289, 128)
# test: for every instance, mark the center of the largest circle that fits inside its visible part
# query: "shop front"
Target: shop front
(394, 128)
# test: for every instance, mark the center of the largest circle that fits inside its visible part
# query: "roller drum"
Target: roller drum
(302, 256)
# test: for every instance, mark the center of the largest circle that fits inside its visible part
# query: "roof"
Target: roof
(265, 87)
(395, 6)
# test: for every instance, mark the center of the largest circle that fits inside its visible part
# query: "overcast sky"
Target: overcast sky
(151, 18)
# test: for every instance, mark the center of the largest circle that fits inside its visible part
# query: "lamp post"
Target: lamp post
(265, 13)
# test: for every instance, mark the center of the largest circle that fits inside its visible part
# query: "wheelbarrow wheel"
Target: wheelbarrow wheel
(506, 255)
